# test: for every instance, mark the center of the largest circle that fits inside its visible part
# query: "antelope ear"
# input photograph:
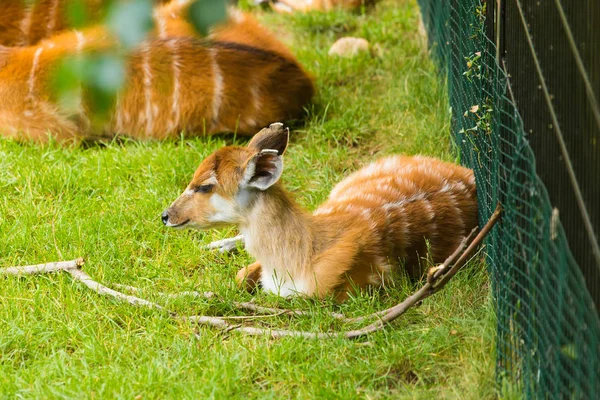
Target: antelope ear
(263, 169)
(275, 137)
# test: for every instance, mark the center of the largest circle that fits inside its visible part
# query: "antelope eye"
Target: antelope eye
(204, 188)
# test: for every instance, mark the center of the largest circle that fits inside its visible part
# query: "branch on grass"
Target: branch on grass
(133, 289)
(432, 275)
(431, 287)
(437, 279)
(456, 261)
(43, 268)
(99, 288)
(250, 306)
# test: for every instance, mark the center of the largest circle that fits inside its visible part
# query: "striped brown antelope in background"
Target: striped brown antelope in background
(239, 78)
(26, 22)
(290, 6)
(377, 219)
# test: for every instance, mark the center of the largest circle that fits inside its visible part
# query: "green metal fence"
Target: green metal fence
(548, 334)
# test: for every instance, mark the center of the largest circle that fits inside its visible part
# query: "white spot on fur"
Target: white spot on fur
(256, 100)
(147, 71)
(25, 25)
(31, 82)
(119, 116)
(210, 181)
(80, 42)
(415, 197)
(225, 210)
(446, 188)
(218, 86)
(366, 213)
(160, 23)
(324, 210)
(283, 286)
(236, 15)
(429, 207)
(176, 67)
(52, 17)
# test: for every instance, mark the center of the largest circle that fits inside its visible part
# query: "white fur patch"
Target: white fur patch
(160, 23)
(147, 71)
(25, 25)
(225, 210)
(324, 210)
(53, 13)
(236, 15)
(210, 181)
(176, 66)
(31, 82)
(218, 87)
(283, 286)
(188, 193)
(119, 116)
(80, 42)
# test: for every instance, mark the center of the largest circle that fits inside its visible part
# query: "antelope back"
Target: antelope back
(407, 202)
(26, 22)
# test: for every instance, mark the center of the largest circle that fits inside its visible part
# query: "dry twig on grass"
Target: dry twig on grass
(437, 278)
(42, 268)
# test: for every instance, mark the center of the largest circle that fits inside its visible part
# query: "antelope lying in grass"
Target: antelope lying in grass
(376, 219)
(237, 79)
(292, 6)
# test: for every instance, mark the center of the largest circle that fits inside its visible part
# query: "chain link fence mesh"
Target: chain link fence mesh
(548, 333)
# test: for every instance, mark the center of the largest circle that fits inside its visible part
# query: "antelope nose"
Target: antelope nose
(165, 217)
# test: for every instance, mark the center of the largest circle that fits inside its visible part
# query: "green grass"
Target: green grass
(60, 340)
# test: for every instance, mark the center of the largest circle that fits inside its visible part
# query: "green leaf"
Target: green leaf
(77, 13)
(204, 14)
(104, 76)
(131, 21)
(106, 71)
(66, 81)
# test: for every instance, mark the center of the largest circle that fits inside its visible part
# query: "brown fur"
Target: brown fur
(26, 22)
(239, 79)
(376, 219)
(289, 6)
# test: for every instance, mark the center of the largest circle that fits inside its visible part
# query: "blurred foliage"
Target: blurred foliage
(77, 13)
(205, 13)
(100, 76)
(130, 21)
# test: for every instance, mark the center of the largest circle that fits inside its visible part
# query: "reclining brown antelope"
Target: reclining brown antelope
(377, 219)
(238, 79)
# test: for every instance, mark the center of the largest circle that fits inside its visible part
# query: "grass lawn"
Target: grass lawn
(60, 340)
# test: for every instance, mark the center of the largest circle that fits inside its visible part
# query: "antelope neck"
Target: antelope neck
(279, 234)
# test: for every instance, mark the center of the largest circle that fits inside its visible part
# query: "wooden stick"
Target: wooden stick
(436, 283)
(99, 288)
(437, 271)
(43, 268)
(133, 289)
(283, 311)
(253, 331)
(469, 251)
(248, 305)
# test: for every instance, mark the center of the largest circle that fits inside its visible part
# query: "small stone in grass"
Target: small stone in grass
(349, 47)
